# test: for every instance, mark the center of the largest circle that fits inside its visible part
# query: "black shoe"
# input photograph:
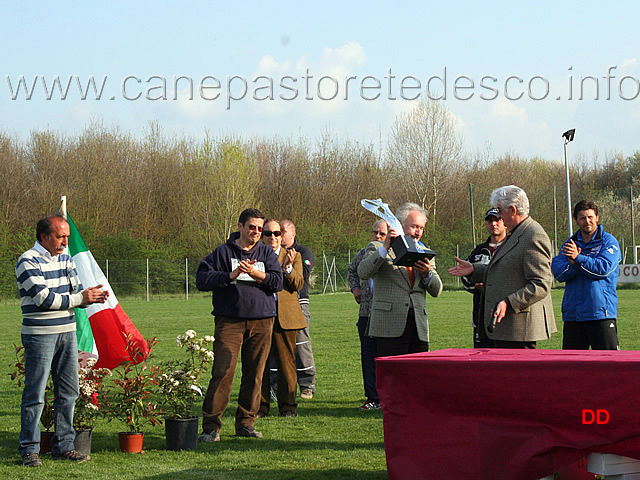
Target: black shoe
(288, 413)
(247, 432)
(72, 455)
(31, 460)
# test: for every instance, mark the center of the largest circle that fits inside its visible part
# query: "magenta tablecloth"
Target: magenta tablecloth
(505, 414)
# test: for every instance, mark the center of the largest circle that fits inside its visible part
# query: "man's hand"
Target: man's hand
(245, 266)
(94, 295)
(571, 251)
(499, 311)
(357, 294)
(391, 235)
(463, 268)
(423, 266)
(291, 255)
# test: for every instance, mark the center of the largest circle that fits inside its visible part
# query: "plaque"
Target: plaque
(407, 249)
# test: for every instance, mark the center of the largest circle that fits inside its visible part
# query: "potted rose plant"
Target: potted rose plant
(128, 397)
(180, 386)
(46, 419)
(87, 409)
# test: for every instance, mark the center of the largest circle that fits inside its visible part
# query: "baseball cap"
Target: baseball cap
(492, 212)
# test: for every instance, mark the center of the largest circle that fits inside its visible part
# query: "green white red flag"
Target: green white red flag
(101, 328)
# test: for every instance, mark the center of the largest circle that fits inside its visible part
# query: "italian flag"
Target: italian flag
(101, 328)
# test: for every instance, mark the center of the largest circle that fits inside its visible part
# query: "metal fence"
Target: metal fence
(149, 278)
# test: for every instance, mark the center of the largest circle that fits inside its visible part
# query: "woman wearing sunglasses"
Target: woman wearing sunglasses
(289, 319)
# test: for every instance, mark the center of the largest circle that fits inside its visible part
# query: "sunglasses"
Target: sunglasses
(378, 232)
(268, 234)
(255, 227)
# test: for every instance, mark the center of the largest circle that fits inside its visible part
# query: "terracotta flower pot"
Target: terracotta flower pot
(130, 442)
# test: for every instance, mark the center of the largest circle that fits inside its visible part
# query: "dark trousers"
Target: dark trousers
(408, 342)
(510, 344)
(368, 353)
(597, 334)
(283, 349)
(480, 340)
(252, 340)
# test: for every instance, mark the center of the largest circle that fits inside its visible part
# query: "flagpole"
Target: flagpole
(568, 137)
(63, 206)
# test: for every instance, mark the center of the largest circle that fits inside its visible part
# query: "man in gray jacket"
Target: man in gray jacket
(398, 318)
(517, 280)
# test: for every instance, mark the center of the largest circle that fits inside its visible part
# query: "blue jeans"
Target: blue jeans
(56, 354)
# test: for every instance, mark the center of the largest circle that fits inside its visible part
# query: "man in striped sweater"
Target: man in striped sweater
(49, 291)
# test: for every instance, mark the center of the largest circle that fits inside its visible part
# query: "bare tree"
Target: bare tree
(425, 150)
(222, 180)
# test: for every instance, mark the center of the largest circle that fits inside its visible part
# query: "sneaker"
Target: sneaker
(72, 455)
(247, 432)
(209, 436)
(306, 393)
(288, 413)
(31, 460)
(369, 406)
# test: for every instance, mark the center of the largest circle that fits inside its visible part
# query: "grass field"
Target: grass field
(328, 440)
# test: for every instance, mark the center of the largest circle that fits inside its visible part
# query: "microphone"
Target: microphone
(491, 327)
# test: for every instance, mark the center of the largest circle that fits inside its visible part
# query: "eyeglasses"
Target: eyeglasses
(378, 232)
(268, 234)
(255, 227)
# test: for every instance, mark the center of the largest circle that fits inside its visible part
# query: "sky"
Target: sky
(514, 76)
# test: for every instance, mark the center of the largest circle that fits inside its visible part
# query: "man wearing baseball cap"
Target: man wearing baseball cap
(482, 254)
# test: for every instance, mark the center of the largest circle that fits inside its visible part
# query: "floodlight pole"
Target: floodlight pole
(568, 136)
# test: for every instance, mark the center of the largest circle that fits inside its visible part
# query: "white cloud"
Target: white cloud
(194, 107)
(323, 79)
(629, 63)
(507, 109)
(351, 53)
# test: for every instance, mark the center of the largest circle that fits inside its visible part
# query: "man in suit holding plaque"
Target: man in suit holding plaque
(517, 280)
(398, 318)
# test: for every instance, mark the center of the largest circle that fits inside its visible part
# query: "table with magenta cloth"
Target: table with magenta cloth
(486, 414)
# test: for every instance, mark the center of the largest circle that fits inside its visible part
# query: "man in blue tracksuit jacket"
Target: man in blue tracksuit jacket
(588, 263)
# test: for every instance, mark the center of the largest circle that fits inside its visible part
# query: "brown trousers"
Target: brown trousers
(251, 338)
(283, 347)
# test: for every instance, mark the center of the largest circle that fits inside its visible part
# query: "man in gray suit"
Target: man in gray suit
(517, 280)
(398, 318)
